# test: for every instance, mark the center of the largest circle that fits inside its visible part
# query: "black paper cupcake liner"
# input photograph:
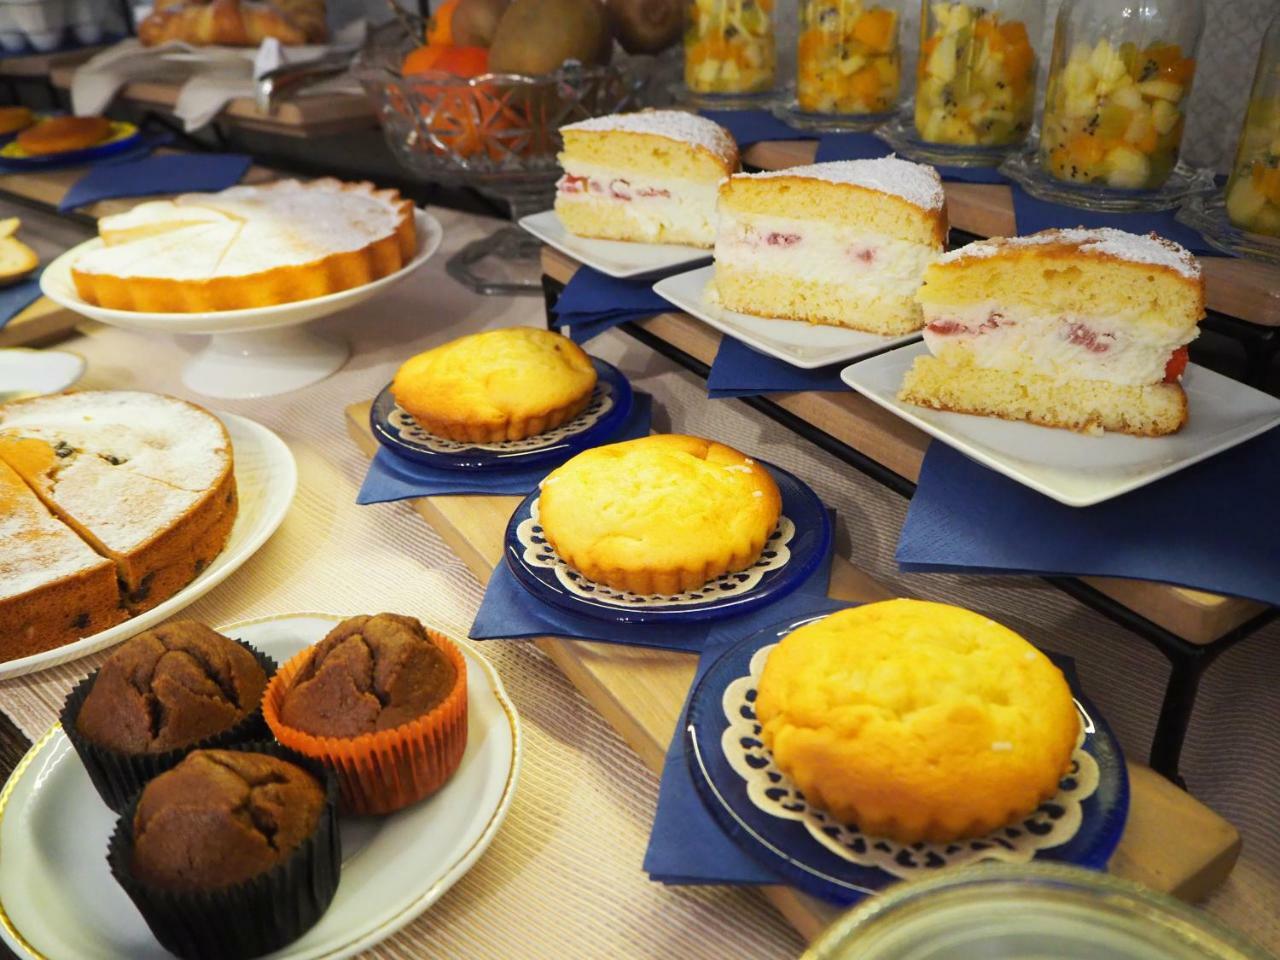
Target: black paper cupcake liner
(246, 919)
(118, 776)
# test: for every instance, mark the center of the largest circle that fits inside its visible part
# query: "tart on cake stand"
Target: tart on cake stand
(256, 352)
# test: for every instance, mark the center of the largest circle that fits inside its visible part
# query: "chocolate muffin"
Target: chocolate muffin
(231, 854)
(159, 696)
(220, 817)
(368, 674)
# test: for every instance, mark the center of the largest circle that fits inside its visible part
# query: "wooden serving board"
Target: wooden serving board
(1193, 615)
(1172, 842)
(1234, 286)
(42, 323)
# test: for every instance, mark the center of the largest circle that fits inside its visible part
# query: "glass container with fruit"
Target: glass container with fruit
(1245, 218)
(1115, 105)
(729, 49)
(848, 63)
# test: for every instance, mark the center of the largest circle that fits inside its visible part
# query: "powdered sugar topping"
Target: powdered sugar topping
(1107, 241)
(916, 183)
(37, 548)
(673, 124)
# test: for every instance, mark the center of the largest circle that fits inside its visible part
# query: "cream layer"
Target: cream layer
(652, 203)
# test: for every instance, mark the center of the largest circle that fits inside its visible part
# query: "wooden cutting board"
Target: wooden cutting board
(1172, 842)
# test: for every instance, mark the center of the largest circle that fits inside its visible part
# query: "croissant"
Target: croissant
(234, 23)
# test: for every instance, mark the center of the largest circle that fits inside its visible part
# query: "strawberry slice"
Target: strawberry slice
(1176, 365)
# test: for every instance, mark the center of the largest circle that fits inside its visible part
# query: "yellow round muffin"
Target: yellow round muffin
(660, 514)
(499, 385)
(917, 721)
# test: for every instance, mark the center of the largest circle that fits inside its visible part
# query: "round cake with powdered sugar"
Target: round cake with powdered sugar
(647, 177)
(144, 482)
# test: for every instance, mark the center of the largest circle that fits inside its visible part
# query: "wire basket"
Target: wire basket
(497, 132)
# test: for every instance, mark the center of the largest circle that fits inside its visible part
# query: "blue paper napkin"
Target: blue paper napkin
(1210, 527)
(164, 174)
(686, 844)
(1034, 215)
(739, 371)
(392, 477)
(593, 302)
(753, 126)
(509, 612)
(867, 146)
(18, 296)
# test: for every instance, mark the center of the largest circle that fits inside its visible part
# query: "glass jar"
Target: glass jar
(729, 46)
(1115, 105)
(1253, 192)
(848, 58)
(976, 76)
(1032, 910)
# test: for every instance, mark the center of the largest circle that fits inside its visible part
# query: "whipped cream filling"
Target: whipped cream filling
(815, 250)
(1064, 346)
(679, 203)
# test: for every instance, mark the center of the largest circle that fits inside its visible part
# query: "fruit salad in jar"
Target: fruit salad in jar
(1114, 115)
(1253, 192)
(976, 78)
(729, 47)
(847, 58)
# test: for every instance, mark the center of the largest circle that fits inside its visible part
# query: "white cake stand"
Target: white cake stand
(251, 353)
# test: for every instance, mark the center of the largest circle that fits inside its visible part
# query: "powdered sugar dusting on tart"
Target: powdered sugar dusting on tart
(916, 183)
(673, 124)
(38, 548)
(1107, 241)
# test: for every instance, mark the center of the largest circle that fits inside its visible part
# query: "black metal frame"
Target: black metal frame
(1187, 661)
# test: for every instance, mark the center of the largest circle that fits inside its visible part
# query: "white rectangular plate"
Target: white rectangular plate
(1072, 468)
(617, 258)
(804, 345)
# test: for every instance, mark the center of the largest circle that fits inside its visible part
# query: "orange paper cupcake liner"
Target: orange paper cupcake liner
(381, 772)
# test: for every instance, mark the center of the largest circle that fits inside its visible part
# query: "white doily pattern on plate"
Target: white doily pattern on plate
(538, 552)
(1052, 824)
(411, 431)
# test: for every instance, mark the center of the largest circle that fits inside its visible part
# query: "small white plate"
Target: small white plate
(617, 258)
(266, 479)
(58, 899)
(801, 344)
(30, 373)
(1072, 468)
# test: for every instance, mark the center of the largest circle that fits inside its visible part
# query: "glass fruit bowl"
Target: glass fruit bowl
(498, 133)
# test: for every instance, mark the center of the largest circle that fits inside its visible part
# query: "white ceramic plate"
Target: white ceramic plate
(57, 285)
(804, 345)
(29, 373)
(266, 478)
(1073, 468)
(59, 901)
(617, 258)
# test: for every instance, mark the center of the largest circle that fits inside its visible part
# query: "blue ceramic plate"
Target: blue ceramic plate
(609, 407)
(783, 841)
(797, 546)
(124, 137)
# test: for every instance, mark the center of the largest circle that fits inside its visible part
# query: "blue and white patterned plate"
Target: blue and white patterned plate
(608, 409)
(762, 810)
(124, 136)
(798, 544)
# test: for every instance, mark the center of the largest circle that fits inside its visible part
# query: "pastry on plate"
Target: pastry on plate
(247, 247)
(498, 385)
(649, 177)
(234, 23)
(63, 135)
(13, 119)
(659, 515)
(231, 854)
(844, 244)
(146, 481)
(382, 702)
(159, 695)
(917, 721)
(1081, 329)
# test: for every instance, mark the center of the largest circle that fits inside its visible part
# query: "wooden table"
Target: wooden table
(641, 692)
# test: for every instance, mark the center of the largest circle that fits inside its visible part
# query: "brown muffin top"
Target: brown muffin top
(368, 674)
(221, 817)
(170, 687)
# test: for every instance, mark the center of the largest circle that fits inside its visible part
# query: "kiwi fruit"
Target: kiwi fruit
(476, 21)
(538, 36)
(645, 26)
